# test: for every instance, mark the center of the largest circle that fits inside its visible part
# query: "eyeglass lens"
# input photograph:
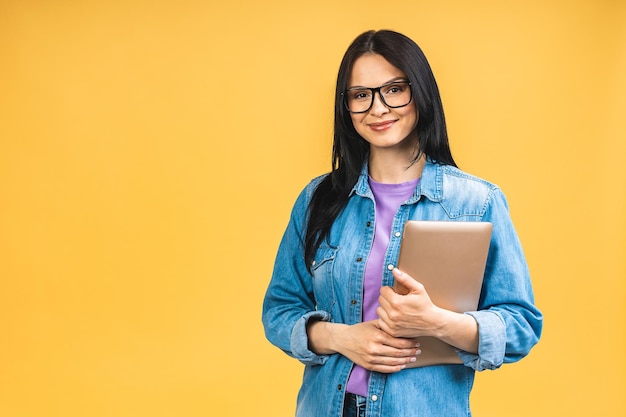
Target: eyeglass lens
(396, 94)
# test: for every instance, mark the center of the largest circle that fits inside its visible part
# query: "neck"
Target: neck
(394, 168)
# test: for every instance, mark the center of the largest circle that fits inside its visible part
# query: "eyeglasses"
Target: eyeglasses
(393, 95)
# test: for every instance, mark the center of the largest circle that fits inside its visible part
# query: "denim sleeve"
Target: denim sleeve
(289, 302)
(509, 323)
(300, 341)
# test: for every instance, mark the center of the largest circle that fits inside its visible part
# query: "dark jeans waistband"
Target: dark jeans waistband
(354, 405)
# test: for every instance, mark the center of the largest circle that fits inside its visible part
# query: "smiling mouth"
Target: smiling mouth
(378, 127)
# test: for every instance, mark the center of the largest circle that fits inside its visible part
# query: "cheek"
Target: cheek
(357, 122)
(411, 114)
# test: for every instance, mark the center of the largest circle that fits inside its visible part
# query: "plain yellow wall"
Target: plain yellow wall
(150, 152)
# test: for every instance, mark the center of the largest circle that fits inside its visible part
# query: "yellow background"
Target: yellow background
(150, 152)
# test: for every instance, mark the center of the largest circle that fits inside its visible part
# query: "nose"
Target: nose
(378, 106)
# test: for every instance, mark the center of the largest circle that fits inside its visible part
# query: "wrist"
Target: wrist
(459, 330)
(442, 322)
(322, 337)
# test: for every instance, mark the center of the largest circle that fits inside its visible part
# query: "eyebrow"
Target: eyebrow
(393, 80)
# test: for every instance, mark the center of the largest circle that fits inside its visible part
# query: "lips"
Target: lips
(382, 126)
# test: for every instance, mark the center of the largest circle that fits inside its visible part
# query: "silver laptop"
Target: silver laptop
(449, 259)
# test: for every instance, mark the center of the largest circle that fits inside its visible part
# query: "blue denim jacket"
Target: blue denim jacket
(509, 323)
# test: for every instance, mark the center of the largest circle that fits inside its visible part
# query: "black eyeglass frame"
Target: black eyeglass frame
(375, 90)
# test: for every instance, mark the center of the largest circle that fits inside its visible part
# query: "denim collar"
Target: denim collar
(430, 185)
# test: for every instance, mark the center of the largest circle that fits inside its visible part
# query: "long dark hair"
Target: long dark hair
(350, 150)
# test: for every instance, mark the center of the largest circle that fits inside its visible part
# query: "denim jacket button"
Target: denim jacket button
(374, 397)
(398, 234)
(390, 267)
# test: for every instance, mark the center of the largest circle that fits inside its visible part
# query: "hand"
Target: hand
(414, 315)
(411, 315)
(364, 344)
(368, 346)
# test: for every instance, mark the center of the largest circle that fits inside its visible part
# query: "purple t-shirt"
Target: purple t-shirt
(388, 198)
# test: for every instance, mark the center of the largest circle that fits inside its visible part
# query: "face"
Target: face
(381, 126)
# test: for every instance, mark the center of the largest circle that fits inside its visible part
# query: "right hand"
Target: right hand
(365, 344)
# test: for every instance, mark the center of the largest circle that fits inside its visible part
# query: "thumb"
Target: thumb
(404, 283)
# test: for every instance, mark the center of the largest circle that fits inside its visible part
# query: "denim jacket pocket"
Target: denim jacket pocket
(322, 270)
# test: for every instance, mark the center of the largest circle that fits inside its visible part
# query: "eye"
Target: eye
(392, 89)
(360, 95)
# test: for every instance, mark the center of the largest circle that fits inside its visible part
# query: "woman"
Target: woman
(329, 303)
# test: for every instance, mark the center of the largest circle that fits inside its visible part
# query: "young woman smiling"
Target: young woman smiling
(329, 303)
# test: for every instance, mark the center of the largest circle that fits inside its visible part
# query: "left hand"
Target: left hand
(411, 315)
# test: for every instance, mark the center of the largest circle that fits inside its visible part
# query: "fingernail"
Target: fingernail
(412, 359)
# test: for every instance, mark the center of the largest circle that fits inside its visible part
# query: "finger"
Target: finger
(382, 323)
(406, 280)
(387, 308)
(387, 294)
(385, 369)
(384, 307)
(404, 346)
(394, 357)
(403, 353)
(388, 364)
(385, 321)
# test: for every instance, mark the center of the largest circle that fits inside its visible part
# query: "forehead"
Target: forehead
(372, 70)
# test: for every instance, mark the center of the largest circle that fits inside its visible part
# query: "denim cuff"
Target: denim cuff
(491, 341)
(300, 339)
